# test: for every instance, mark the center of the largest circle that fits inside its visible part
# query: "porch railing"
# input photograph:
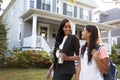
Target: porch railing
(40, 43)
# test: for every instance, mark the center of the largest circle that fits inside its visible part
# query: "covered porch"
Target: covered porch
(40, 29)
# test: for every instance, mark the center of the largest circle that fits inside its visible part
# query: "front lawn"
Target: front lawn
(28, 74)
(22, 74)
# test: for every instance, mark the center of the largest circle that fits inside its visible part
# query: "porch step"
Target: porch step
(30, 48)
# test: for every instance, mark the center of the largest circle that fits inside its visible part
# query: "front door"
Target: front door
(44, 30)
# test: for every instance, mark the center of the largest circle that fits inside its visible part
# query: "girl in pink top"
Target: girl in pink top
(92, 63)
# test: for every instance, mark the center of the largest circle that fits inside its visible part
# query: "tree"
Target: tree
(3, 42)
(1, 1)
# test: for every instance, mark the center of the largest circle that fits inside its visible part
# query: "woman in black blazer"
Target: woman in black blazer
(69, 44)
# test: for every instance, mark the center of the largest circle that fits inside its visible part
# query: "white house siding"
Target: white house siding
(27, 29)
(13, 21)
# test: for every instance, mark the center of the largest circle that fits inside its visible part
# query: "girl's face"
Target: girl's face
(85, 34)
(67, 29)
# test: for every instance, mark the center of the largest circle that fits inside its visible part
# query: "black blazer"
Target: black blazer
(70, 47)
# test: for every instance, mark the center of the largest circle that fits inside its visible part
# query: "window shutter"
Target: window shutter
(38, 4)
(64, 8)
(81, 13)
(75, 11)
(90, 15)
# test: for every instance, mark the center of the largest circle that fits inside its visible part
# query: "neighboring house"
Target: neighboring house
(34, 23)
(111, 17)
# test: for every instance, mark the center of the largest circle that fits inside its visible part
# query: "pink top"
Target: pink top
(103, 52)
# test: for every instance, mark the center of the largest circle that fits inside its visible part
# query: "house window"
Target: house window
(46, 5)
(85, 14)
(20, 33)
(31, 3)
(20, 36)
(57, 6)
(69, 10)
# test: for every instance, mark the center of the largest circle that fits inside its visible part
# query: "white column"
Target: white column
(28, 4)
(61, 7)
(109, 41)
(34, 26)
(35, 3)
(73, 28)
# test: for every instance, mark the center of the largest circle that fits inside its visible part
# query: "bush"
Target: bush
(3, 42)
(115, 56)
(29, 59)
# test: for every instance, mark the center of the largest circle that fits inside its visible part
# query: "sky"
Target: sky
(5, 3)
(102, 6)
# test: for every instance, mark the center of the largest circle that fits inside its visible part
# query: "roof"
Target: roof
(112, 14)
(8, 8)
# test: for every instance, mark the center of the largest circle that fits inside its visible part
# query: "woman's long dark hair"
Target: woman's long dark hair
(60, 35)
(94, 40)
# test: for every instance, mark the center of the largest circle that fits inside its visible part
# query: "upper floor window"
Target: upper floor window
(57, 6)
(46, 5)
(85, 14)
(69, 10)
(31, 3)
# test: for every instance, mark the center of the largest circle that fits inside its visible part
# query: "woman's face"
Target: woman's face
(67, 28)
(85, 34)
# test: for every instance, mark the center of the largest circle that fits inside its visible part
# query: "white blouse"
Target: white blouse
(89, 71)
(61, 46)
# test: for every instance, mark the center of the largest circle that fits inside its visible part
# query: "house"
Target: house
(111, 17)
(1, 1)
(34, 23)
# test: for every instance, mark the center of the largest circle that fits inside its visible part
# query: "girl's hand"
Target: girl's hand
(95, 53)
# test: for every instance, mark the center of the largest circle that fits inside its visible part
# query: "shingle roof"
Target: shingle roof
(112, 14)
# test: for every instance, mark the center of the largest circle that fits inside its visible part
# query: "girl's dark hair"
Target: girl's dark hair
(60, 35)
(94, 40)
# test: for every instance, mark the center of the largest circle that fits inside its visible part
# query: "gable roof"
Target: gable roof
(112, 14)
(8, 8)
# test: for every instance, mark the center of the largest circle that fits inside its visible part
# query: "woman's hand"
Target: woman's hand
(48, 74)
(64, 56)
(95, 53)
(69, 58)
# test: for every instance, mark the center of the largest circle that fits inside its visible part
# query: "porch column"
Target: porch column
(34, 25)
(73, 28)
(109, 41)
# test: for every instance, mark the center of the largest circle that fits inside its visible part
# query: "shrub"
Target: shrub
(115, 56)
(3, 42)
(29, 59)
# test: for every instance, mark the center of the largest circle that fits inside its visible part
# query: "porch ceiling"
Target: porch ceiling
(58, 18)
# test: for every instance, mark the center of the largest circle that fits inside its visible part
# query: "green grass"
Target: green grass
(22, 74)
(28, 74)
